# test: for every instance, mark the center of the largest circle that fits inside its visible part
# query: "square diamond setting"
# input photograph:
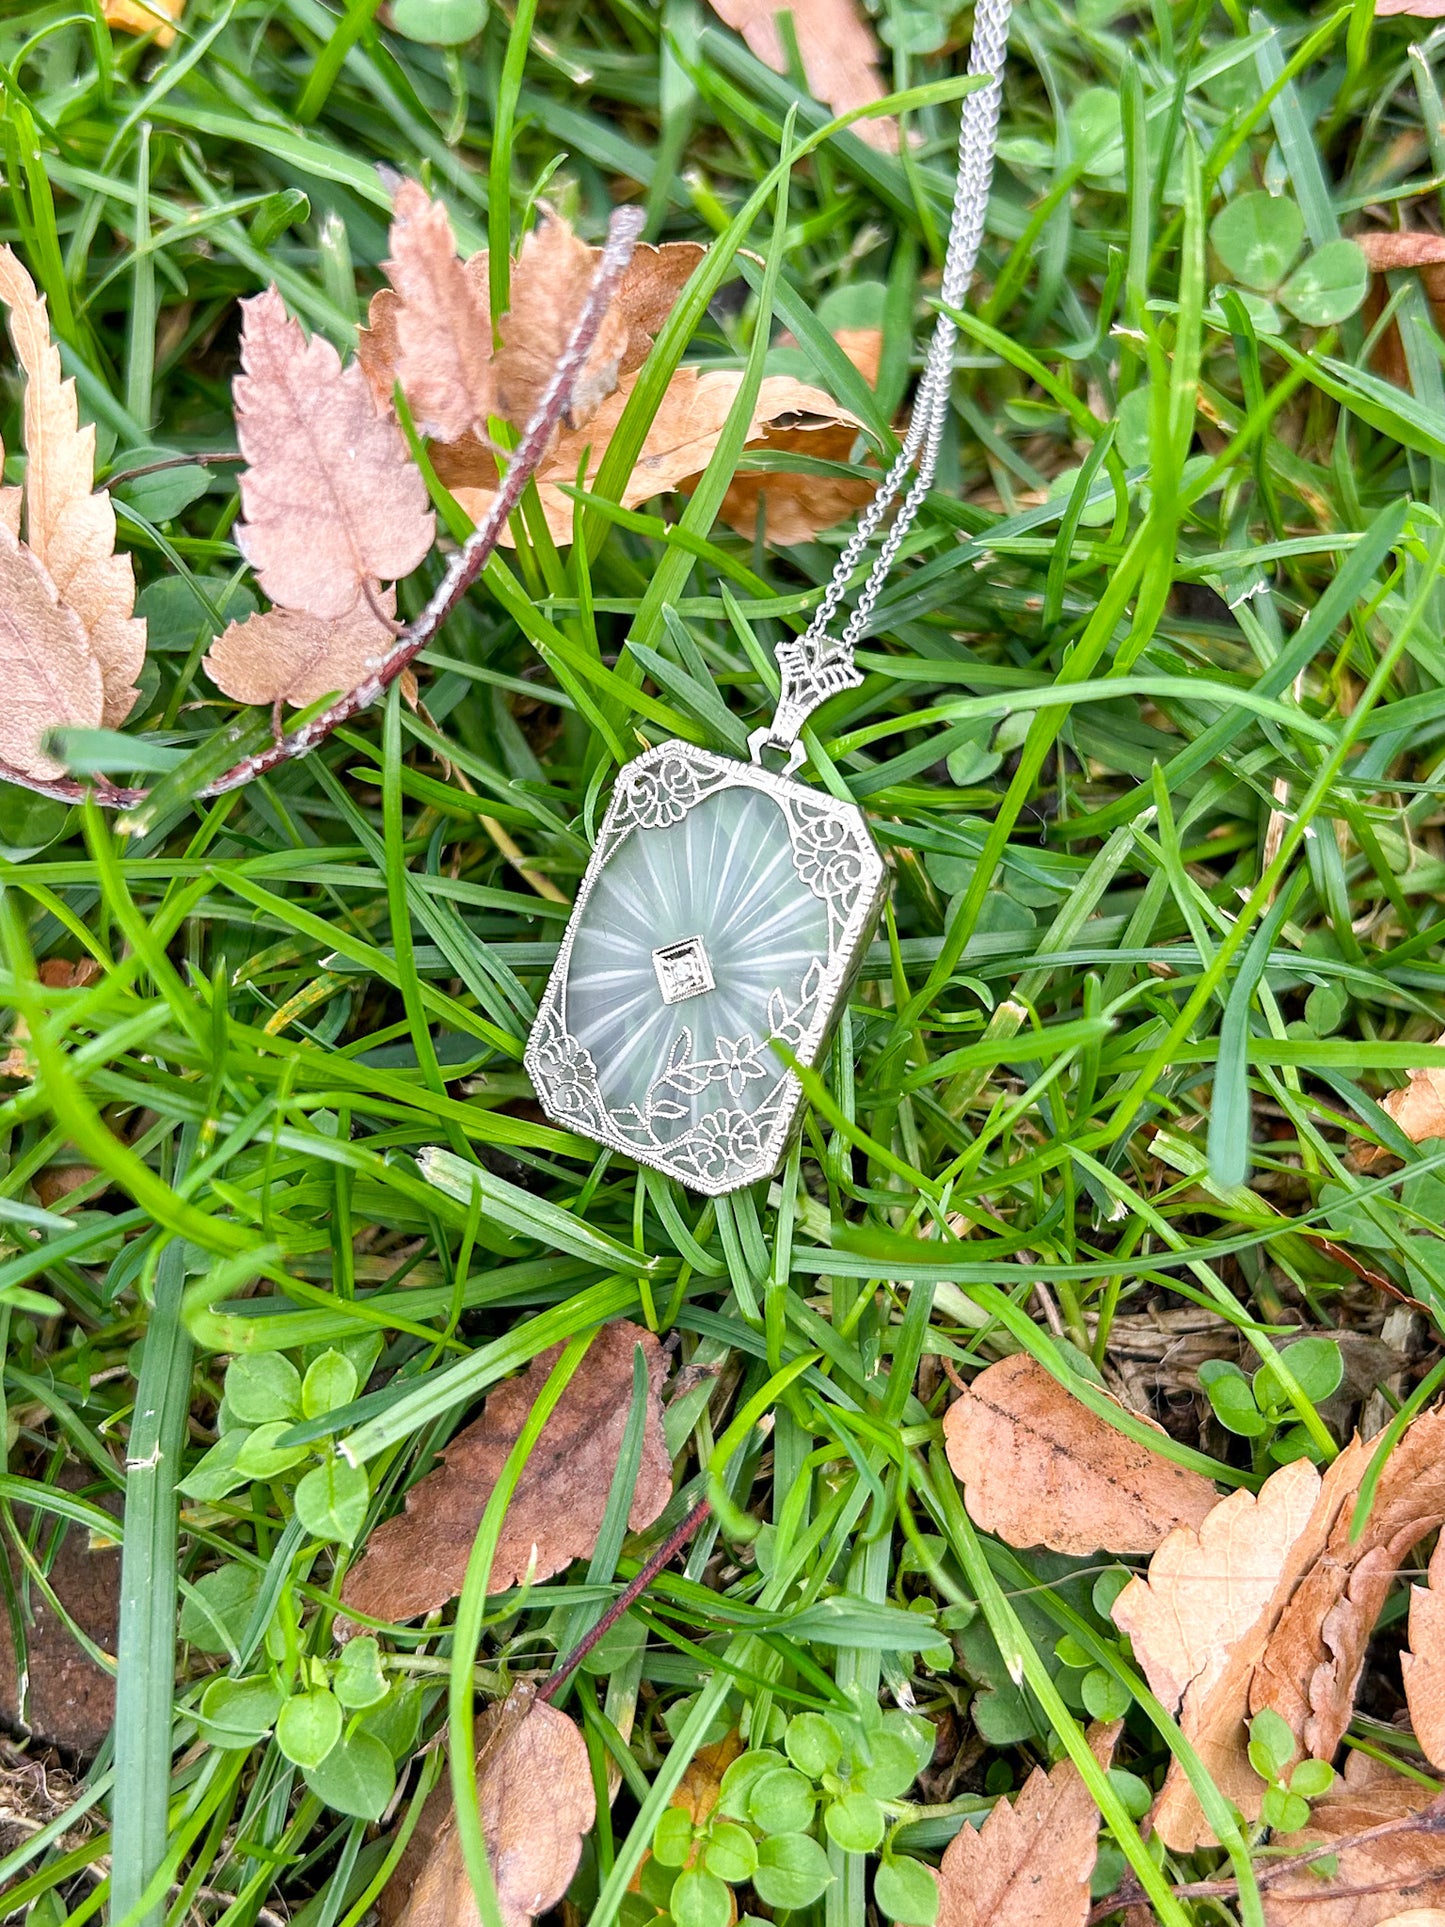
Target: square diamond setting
(683, 970)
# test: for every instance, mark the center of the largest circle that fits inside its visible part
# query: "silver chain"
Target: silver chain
(814, 665)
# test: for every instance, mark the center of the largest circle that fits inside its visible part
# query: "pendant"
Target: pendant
(725, 907)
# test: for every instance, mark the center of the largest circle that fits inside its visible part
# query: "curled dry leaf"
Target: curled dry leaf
(1311, 1665)
(1423, 1666)
(438, 313)
(288, 655)
(535, 1798)
(1040, 1469)
(56, 973)
(1201, 1619)
(331, 496)
(50, 673)
(416, 1562)
(69, 524)
(552, 277)
(1030, 1863)
(1419, 1108)
(684, 432)
(146, 16)
(1405, 1867)
(837, 49)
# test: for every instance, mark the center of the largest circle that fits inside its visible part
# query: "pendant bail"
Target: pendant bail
(788, 747)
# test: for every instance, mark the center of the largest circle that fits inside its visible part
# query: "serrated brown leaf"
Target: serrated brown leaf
(1406, 1869)
(548, 287)
(69, 1698)
(535, 1798)
(331, 496)
(69, 523)
(1030, 1863)
(1201, 1619)
(416, 1561)
(1421, 9)
(1040, 1469)
(683, 435)
(10, 500)
(50, 673)
(1423, 1666)
(443, 329)
(1419, 1106)
(1311, 1666)
(145, 16)
(836, 46)
(286, 655)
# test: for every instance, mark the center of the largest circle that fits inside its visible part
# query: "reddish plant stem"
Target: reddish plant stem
(670, 1547)
(466, 565)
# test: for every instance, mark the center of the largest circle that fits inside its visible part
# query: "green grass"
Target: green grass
(1152, 735)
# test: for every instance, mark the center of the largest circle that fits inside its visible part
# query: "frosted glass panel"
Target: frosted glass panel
(721, 882)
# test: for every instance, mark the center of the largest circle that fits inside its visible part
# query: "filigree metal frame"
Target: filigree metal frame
(836, 859)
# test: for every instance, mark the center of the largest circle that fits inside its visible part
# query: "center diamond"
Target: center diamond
(683, 970)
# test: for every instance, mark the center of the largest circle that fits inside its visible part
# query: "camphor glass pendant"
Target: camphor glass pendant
(725, 908)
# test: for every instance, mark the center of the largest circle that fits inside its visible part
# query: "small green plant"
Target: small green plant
(1290, 1788)
(1259, 1408)
(1257, 238)
(338, 1719)
(836, 1778)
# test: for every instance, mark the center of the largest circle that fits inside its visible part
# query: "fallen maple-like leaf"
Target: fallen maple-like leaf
(50, 673)
(679, 444)
(416, 1561)
(1419, 1107)
(441, 332)
(332, 498)
(69, 523)
(1311, 1665)
(1201, 1619)
(836, 46)
(1040, 1469)
(146, 16)
(1030, 1863)
(1374, 1881)
(553, 275)
(288, 655)
(1423, 1667)
(535, 1799)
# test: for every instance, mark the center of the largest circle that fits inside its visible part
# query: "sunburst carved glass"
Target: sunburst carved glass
(725, 908)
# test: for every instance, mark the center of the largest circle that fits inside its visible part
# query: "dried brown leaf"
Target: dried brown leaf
(535, 1797)
(332, 498)
(286, 655)
(1407, 1868)
(549, 285)
(415, 1562)
(700, 1788)
(145, 16)
(377, 347)
(1201, 1620)
(443, 328)
(1423, 1666)
(1030, 1863)
(1419, 1108)
(69, 523)
(1311, 1666)
(50, 673)
(1040, 1469)
(1421, 9)
(10, 500)
(683, 435)
(839, 54)
(69, 1698)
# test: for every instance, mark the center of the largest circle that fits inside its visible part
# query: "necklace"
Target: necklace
(727, 906)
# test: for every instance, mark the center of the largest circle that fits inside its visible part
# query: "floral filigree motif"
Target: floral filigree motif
(753, 1096)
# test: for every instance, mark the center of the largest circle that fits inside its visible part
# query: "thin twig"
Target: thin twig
(466, 565)
(671, 1545)
(1429, 1820)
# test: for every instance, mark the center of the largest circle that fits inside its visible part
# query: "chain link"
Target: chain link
(814, 666)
